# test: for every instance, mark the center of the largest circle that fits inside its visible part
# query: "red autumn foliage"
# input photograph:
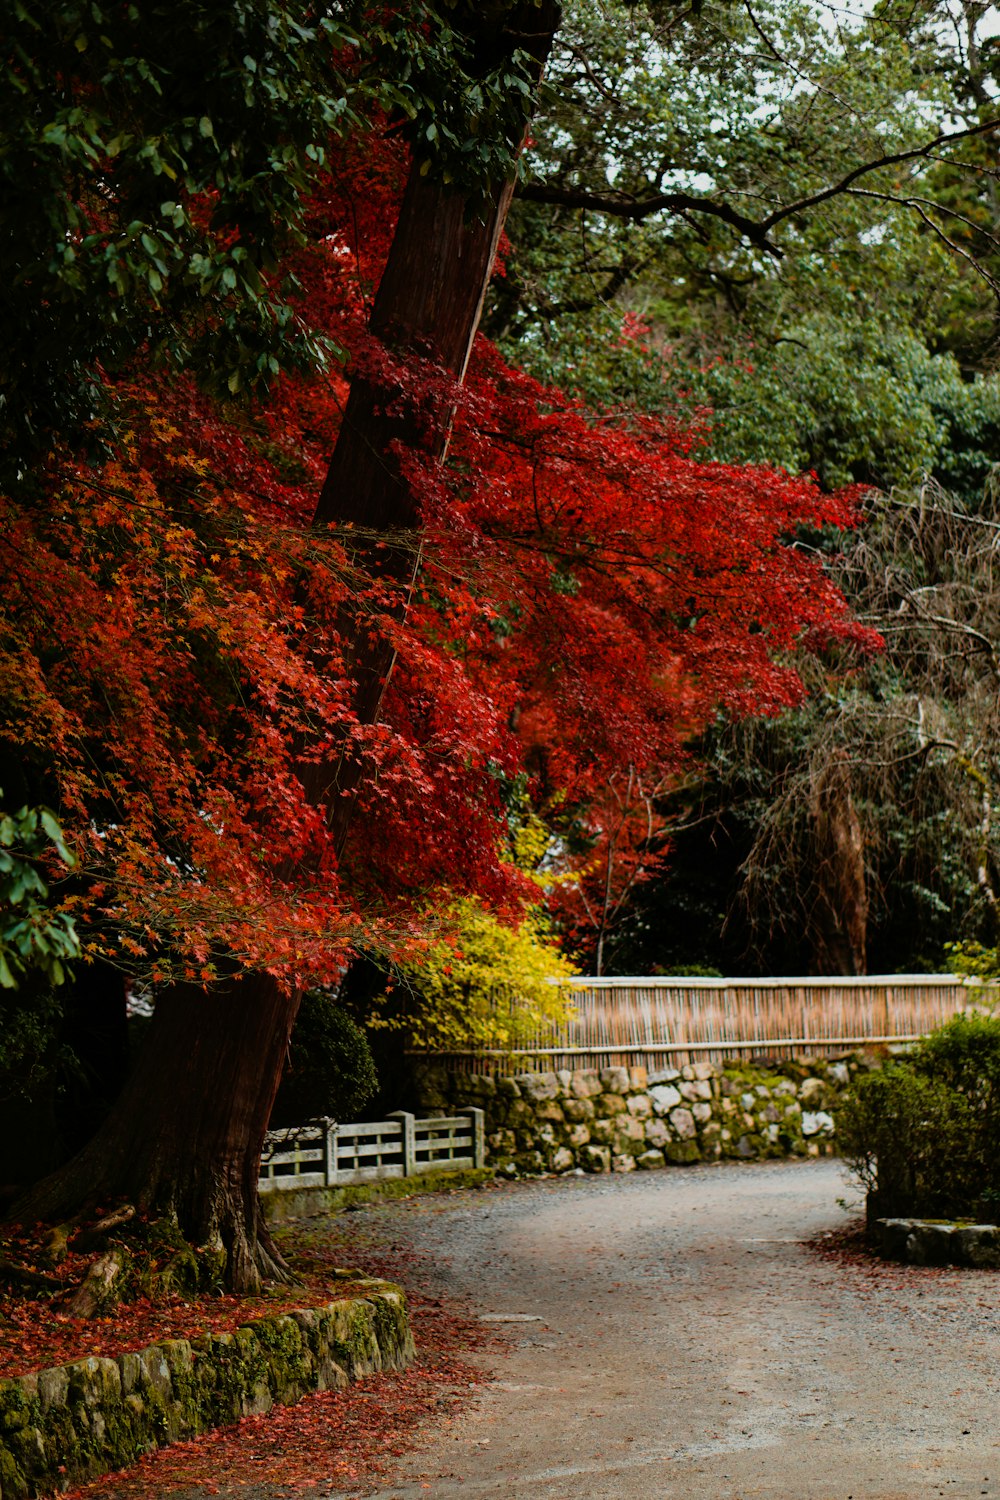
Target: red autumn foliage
(590, 596)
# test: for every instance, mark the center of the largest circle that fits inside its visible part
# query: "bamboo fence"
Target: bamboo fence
(660, 1023)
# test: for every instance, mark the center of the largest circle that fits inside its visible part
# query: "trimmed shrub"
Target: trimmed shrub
(330, 1070)
(923, 1134)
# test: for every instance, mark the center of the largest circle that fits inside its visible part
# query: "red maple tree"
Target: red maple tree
(199, 629)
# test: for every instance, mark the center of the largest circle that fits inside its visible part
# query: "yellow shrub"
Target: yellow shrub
(482, 984)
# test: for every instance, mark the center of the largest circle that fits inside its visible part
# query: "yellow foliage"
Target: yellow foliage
(482, 984)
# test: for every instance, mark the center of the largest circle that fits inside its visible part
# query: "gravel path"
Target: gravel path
(672, 1338)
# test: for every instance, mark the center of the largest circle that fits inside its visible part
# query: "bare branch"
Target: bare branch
(626, 206)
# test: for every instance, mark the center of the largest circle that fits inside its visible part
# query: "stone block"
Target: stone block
(729, 1086)
(704, 1071)
(687, 1073)
(53, 1387)
(627, 1129)
(537, 1087)
(562, 1160)
(640, 1106)
(578, 1110)
(650, 1160)
(782, 1087)
(817, 1123)
(698, 1089)
(565, 1078)
(771, 1114)
(682, 1122)
(748, 1101)
(702, 1113)
(531, 1163)
(746, 1148)
(813, 1093)
(657, 1134)
(664, 1075)
(979, 1245)
(638, 1079)
(600, 1132)
(682, 1153)
(584, 1083)
(595, 1159)
(610, 1104)
(839, 1073)
(664, 1097)
(623, 1163)
(550, 1110)
(932, 1245)
(132, 1372)
(578, 1135)
(614, 1080)
(95, 1380)
(507, 1088)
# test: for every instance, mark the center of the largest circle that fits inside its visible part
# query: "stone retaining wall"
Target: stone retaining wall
(74, 1422)
(617, 1119)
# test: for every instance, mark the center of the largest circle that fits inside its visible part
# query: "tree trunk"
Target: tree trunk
(185, 1137)
(429, 303)
(840, 914)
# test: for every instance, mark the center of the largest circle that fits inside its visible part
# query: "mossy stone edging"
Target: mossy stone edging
(939, 1242)
(74, 1422)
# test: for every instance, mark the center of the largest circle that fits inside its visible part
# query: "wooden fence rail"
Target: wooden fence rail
(327, 1154)
(666, 1022)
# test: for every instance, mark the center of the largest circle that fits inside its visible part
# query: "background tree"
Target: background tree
(914, 732)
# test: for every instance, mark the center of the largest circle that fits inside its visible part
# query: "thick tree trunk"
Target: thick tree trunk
(186, 1135)
(429, 303)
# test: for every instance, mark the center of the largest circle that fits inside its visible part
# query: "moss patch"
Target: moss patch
(301, 1202)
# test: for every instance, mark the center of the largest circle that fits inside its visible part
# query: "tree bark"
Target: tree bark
(840, 914)
(185, 1137)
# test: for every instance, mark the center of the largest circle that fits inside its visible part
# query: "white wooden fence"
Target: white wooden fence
(327, 1154)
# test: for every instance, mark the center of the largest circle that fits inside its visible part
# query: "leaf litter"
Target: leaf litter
(332, 1440)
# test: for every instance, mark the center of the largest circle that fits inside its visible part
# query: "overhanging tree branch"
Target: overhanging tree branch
(756, 232)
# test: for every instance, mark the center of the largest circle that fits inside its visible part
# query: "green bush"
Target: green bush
(329, 1070)
(923, 1134)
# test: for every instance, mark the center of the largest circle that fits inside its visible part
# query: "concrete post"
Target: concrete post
(408, 1123)
(478, 1118)
(330, 1128)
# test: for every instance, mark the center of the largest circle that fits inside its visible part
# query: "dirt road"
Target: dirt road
(671, 1338)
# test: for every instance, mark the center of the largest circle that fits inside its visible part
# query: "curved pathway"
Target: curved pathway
(672, 1338)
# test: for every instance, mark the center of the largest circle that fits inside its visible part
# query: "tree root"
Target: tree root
(100, 1288)
(91, 1237)
(39, 1281)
